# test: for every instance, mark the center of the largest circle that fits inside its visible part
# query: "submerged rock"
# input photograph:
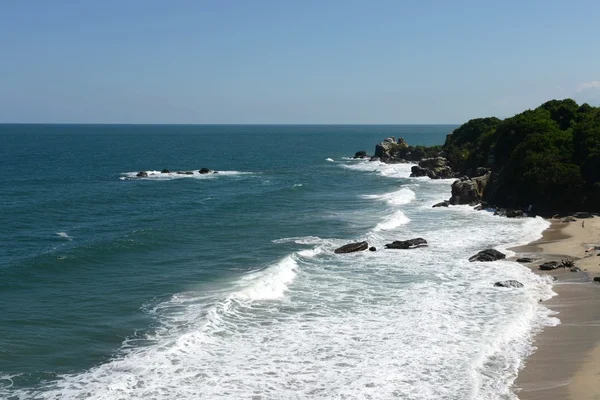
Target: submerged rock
(205, 171)
(165, 171)
(373, 248)
(509, 284)
(142, 174)
(525, 260)
(549, 266)
(184, 173)
(444, 203)
(488, 255)
(361, 154)
(407, 244)
(352, 247)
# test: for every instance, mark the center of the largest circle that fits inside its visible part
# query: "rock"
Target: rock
(165, 171)
(469, 191)
(514, 213)
(481, 171)
(352, 247)
(488, 255)
(509, 284)
(361, 154)
(373, 248)
(444, 203)
(434, 168)
(548, 266)
(583, 215)
(142, 174)
(407, 244)
(525, 260)
(575, 269)
(383, 150)
(374, 158)
(184, 173)
(205, 171)
(597, 279)
(569, 219)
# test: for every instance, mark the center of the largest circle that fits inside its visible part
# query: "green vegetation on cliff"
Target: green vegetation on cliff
(548, 157)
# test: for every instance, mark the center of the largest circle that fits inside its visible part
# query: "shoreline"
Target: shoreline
(566, 360)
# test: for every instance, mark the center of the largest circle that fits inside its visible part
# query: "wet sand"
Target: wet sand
(566, 364)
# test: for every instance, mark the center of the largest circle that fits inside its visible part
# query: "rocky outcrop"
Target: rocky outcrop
(205, 171)
(509, 284)
(509, 213)
(444, 203)
(575, 269)
(407, 244)
(469, 190)
(583, 215)
(549, 266)
(165, 171)
(597, 279)
(142, 174)
(352, 247)
(434, 168)
(184, 173)
(488, 255)
(361, 154)
(391, 151)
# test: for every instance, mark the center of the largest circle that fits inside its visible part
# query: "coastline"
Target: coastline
(566, 362)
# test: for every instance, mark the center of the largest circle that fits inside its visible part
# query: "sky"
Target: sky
(293, 62)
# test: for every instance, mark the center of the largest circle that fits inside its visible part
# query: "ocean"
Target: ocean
(226, 286)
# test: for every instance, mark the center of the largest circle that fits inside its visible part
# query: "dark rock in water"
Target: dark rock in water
(373, 248)
(444, 203)
(352, 247)
(165, 171)
(184, 173)
(583, 215)
(434, 168)
(548, 266)
(525, 260)
(407, 244)
(488, 255)
(575, 269)
(469, 191)
(509, 284)
(215, 172)
(514, 213)
(205, 171)
(361, 154)
(142, 174)
(374, 158)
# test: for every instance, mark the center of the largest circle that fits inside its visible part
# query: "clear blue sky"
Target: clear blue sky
(299, 61)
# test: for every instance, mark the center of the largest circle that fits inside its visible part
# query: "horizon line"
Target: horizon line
(221, 124)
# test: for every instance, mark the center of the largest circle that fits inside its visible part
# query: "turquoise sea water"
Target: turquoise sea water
(225, 285)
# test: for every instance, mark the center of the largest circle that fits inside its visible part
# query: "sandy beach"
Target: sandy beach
(566, 364)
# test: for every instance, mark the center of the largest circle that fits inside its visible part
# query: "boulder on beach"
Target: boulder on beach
(525, 260)
(509, 284)
(575, 269)
(597, 279)
(583, 215)
(549, 266)
(352, 247)
(488, 255)
(165, 171)
(407, 244)
(142, 174)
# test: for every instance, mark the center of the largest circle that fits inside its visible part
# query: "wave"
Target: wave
(329, 159)
(157, 175)
(393, 221)
(397, 198)
(64, 235)
(401, 170)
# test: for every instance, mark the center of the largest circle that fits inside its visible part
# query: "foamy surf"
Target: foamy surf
(397, 198)
(158, 175)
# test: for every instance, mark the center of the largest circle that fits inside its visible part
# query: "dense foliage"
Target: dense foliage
(547, 158)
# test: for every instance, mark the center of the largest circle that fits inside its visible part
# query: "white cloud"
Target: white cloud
(588, 85)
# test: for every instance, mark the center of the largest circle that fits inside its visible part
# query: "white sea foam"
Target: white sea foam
(392, 221)
(158, 175)
(269, 284)
(401, 170)
(397, 198)
(329, 159)
(64, 235)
